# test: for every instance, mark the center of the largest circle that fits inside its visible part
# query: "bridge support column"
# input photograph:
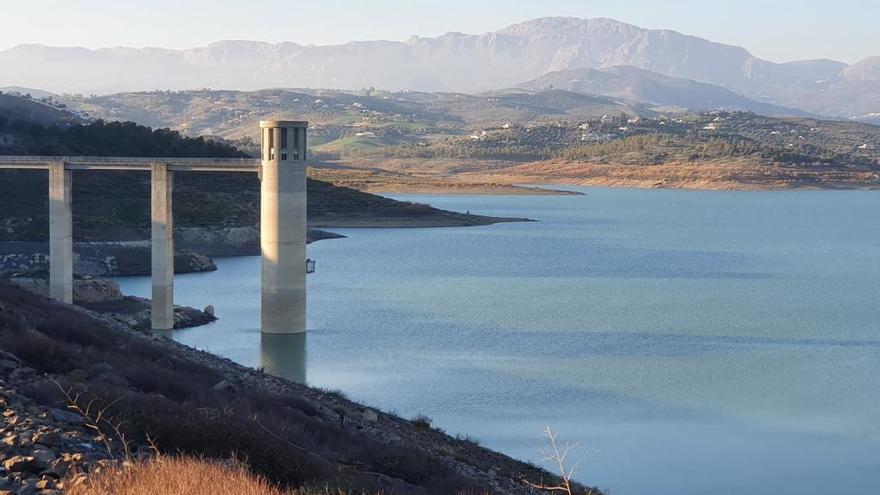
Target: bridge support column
(60, 233)
(162, 226)
(283, 227)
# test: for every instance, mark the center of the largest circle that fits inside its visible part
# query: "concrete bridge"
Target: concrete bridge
(282, 173)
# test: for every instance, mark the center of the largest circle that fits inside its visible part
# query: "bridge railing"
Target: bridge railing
(131, 163)
(123, 160)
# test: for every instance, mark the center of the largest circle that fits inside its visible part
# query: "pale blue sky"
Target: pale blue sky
(778, 30)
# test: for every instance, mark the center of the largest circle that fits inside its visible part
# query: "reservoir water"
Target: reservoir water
(694, 342)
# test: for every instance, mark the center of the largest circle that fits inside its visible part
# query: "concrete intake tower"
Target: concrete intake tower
(283, 226)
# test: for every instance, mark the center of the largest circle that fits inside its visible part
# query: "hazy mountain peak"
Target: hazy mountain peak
(454, 62)
(239, 44)
(565, 26)
(866, 70)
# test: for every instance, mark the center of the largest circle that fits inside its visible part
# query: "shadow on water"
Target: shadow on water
(284, 356)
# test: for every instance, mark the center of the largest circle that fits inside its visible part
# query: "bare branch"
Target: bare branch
(94, 421)
(557, 454)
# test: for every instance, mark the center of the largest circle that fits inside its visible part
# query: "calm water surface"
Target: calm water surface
(695, 342)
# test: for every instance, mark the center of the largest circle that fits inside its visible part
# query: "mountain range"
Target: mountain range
(457, 62)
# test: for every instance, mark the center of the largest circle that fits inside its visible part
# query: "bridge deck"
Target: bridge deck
(124, 163)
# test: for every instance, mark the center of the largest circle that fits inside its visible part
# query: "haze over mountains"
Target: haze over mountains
(458, 62)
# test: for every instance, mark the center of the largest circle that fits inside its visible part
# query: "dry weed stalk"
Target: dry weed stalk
(96, 419)
(558, 455)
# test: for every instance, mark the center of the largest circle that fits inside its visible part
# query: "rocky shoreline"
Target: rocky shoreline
(194, 248)
(709, 175)
(26, 264)
(32, 399)
(104, 297)
(44, 449)
(96, 259)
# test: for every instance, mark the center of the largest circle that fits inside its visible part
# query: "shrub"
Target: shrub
(422, 422)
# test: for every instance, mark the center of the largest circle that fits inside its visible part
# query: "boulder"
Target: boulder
(200, 263)
(91, 290)
(45, 485)
(44, 458)
(48, 438)
(21, 464)
(66, 417)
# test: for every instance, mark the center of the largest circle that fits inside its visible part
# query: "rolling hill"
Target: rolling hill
(343, 121)
(16, 108)
(653, 89)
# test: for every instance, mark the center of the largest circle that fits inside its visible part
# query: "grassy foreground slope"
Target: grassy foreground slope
(167, 397)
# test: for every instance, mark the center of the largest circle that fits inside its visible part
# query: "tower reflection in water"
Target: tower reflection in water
(284, 355)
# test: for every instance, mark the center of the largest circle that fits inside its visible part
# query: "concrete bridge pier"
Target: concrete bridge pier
(283, 226)
(282, 171)
(60, 233)
(162, 251)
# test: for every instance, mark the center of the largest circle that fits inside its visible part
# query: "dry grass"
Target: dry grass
(177, 476)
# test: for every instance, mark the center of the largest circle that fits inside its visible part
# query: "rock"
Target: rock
(11, 440)
(66, 417)
(44, 458)
(9, 356)
(209, 310)
(7, 365)
(49, 438)
(96, 290)
(28, 488)
(21, 464)
(371, 415)
(58, 469)
(201, 263)
(45, 485)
